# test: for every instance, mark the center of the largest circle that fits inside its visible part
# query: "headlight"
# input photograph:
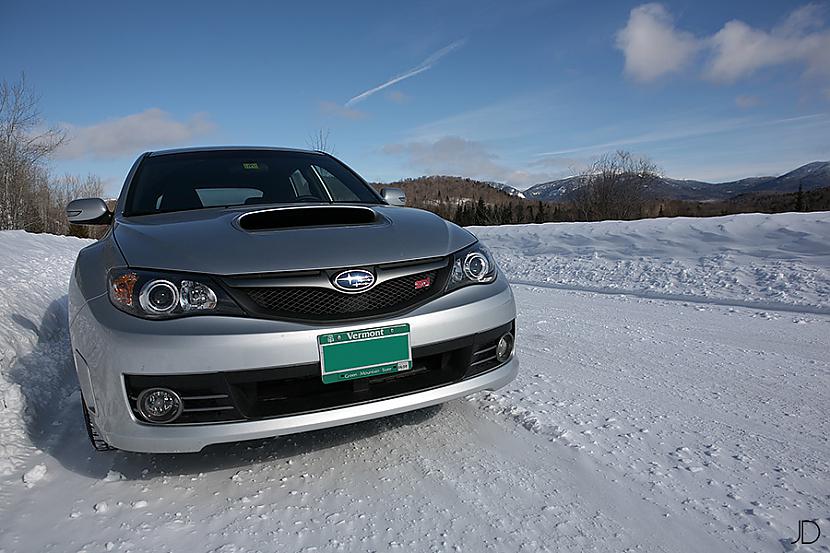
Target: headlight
(472, 265)
(158, 295)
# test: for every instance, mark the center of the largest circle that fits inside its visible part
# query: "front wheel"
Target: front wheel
(92, 431)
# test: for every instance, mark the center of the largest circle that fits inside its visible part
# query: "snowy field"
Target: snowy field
(778, 261)
(673, 397)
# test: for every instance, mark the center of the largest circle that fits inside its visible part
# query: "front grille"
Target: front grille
(324, 304)
(283, 391)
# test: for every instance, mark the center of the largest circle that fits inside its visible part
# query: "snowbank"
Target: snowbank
(753, 259)
(34, 273)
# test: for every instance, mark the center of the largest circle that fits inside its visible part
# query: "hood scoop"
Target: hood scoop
(307, 216)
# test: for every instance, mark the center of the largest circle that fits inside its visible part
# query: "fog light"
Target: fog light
(159, 405)
(505, 347)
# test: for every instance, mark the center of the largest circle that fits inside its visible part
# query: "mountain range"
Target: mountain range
(808, 177)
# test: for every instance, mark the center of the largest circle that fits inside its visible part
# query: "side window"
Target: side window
(339, 191)
(300, 184)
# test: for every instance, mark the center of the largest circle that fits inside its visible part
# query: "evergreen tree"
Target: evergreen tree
(459, 214)
(541, 213)
(480, 212)
(466, 215)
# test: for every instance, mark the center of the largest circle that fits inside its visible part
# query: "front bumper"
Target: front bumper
(179, 439)
(110, 345)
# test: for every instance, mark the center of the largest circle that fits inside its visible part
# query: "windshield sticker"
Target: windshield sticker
(250, 165)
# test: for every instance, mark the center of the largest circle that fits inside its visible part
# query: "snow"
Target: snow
(779, 261)
(33, 475)
(34, 273)
(672, 397)
(114, 476)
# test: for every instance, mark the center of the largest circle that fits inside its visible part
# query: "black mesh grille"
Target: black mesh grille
(314, 303)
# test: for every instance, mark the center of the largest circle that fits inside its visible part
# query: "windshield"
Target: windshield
(197, 180)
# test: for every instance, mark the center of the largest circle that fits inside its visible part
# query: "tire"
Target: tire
(98, 443)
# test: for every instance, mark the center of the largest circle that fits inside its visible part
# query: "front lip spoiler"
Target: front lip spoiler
(190, 439)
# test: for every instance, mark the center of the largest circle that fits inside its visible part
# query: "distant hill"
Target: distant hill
(471, 202)
(811, 176)
(817, 199)
(506, 188)
(454, 190)
(447, 195)
(554, 191)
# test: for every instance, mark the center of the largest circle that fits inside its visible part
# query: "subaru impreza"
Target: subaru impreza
(244, 293)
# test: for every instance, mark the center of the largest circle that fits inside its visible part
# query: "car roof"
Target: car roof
(231, 148)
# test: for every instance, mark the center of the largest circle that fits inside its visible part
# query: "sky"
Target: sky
(515, 92)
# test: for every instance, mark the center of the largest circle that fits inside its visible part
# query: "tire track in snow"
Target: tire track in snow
(767, 306)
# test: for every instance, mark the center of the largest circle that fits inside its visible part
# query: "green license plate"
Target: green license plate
(363, 353)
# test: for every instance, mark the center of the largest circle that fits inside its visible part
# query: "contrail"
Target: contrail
(420, 68)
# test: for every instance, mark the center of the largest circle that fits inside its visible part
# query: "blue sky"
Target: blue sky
(518, 92)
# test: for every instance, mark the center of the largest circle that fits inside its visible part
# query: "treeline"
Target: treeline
(31, 198)
(616, 186)
(507, 213)
(805, 200)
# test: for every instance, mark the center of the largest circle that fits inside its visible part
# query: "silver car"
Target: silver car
(243, 293)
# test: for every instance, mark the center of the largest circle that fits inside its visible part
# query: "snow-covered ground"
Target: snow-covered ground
(673, 397)
(34, 273)
(776, 260)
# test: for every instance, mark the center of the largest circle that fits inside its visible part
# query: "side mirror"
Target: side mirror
(393, 196)
(88, 211)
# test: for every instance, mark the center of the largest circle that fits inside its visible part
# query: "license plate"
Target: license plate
(363, 353)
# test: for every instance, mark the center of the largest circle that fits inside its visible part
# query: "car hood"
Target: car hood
(212, 241)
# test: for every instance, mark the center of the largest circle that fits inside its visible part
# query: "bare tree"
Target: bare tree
(319, 140)
(615, 186)
(24, 145)
(63, 191)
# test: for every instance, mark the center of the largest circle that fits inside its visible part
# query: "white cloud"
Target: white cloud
(509, 119)
(453, 155)
(747, 102)
(688, 129)
(334, 108)
(152, 128)
(397, 97)
(420, 68)
(651, 44)
(739, 50)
